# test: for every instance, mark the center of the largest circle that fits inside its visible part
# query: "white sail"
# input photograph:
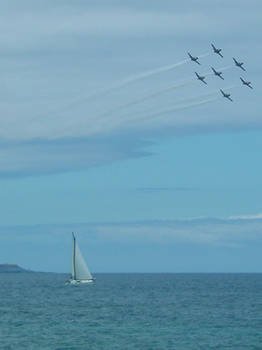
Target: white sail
(80, 270)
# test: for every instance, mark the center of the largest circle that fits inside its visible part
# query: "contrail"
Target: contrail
(225, 68)
(179, 107)
(147, 97)
(211, 93)
(119, 85)
(134, 79)
(123, 83)
(204, 55)
(185, 106)
(129, 118)
(173, 87)
(150, 73)
(156, 115)
(193, 98)
(157, 93)
(182, 104)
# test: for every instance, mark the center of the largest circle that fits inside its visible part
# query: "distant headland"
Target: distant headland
(6, 268)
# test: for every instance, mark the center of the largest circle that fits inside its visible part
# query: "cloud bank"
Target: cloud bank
(182, 245)
(231, 231)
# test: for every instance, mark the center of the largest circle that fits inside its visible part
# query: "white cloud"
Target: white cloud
(58, 27)
(50, 156)
(191, 244)
(53, 26)
(197, 231)
(246, 217)
(203, 231)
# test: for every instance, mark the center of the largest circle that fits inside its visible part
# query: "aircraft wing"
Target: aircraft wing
(220, 55)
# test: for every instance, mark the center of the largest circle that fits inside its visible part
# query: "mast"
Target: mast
(73, 256)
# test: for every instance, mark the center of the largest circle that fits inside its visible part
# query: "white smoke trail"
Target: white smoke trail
(130, 80)
(159, 92)
(147, 97)
(225, 68)
(133, 79)
(117, 86)
(179, 107)
(156, 115)
(150, 73)
(204, 55)
(130, 118)
(183, 104)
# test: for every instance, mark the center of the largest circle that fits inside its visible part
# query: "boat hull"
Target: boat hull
(80, 281)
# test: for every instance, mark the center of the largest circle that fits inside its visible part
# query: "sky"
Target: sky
(105, 131)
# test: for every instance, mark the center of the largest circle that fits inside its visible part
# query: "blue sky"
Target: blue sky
(95, 139)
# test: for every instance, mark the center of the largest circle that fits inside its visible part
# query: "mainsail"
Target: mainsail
(80, 270)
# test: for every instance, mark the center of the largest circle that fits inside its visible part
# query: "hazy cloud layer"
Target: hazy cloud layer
(148, 190)
(185, 245)
(209, 231)
(57, 24)
(45, 157)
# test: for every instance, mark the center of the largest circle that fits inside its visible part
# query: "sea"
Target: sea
(131, 311)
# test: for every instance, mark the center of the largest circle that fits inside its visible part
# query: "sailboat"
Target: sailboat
(80, 272)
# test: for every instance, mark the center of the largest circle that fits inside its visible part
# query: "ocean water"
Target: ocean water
(131, 311)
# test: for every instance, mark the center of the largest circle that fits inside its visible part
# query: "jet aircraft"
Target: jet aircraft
(219, 74)
(247, 83)
(226, 95)
(195, 59)
(239, 64)
(218, 51)
(202, 78)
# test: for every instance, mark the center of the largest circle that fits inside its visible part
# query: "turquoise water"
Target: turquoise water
(131, 311)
